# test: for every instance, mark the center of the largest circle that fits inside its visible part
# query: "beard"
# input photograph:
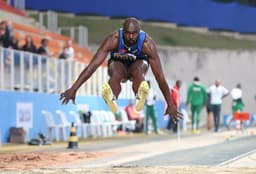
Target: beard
(130, 42)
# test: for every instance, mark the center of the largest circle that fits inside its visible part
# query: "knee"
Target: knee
(138, 70)
(137, 75)
(117, 77)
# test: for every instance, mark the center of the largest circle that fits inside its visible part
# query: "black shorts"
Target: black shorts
(208, 108)
(127, 63)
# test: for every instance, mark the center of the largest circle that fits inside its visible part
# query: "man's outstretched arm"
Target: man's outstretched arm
(97, 60)
(149, 48)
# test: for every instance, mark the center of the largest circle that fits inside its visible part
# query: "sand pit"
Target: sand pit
(36, 160)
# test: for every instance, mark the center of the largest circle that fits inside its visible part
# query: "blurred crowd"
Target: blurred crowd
(8, 40)
(199, 100)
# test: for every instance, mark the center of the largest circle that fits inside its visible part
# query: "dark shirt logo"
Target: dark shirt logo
(124, 56)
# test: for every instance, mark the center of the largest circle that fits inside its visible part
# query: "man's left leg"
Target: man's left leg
(141, 95)
(140, 87)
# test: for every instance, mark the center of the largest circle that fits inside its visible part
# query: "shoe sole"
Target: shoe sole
(108, 97)
(142, 94)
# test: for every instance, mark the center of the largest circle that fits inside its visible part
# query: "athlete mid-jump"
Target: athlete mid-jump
(131, 52)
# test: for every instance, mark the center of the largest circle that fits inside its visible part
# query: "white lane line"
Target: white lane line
(237, 158)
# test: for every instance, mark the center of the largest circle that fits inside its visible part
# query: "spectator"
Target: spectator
(2, 34)
(29, 45)
(68, 51)
(217, 92)
(175, 94)
(196, 98)
(135, 115)
(63, 54)
(43, 49)
(8, 33)
(237, 102)
(15, 43)
(84, 113)
(45, 52)
(150, 109)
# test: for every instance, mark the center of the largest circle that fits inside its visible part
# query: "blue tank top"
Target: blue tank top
(132, 53)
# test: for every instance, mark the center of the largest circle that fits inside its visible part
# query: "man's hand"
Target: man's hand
(69, 94)
(174, 114)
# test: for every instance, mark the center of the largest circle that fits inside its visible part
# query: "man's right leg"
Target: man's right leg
(109, 98)
(112, 89)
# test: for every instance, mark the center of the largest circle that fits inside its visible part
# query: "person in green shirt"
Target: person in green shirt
(196, 98)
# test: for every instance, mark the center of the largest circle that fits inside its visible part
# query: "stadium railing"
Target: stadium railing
(24, 71)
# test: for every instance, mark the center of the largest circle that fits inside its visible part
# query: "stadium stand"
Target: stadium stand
(24, 25)
(56, 41)
(7, 7)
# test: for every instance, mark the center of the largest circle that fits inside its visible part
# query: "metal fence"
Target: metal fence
(50, 20)
(20, 4)
(78, 34)
(24, 71)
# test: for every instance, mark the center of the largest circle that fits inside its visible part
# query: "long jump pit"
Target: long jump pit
(49, 162)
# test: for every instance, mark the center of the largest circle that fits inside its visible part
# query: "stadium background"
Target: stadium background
(230, 66)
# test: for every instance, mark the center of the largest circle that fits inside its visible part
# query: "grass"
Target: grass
(99, 27)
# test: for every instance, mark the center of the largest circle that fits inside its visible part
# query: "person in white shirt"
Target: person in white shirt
(237, 102)
(217, 93)
(68, 51)
(236, 93)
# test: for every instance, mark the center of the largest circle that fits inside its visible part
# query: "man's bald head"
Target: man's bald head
(131, 23)
(131, 30)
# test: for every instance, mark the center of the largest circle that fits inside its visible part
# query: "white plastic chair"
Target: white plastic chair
(51, 126)
(98, 118)
(115, 123)
(106, 123)
(95, 125)
(83, 126)
(64, 124)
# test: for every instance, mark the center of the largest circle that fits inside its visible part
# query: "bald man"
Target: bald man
(131, 52)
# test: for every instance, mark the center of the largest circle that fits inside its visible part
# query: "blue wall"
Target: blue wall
(200, 13)
(50, 102)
